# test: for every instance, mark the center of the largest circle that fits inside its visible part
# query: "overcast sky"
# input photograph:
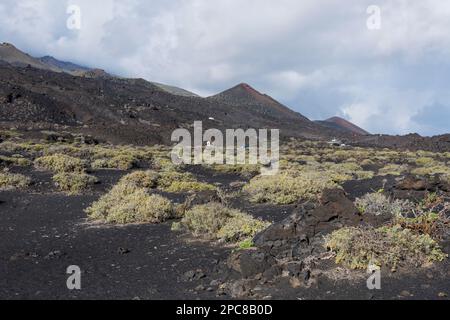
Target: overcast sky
(316, 56)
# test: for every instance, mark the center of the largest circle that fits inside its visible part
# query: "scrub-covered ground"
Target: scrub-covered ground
(140, 227)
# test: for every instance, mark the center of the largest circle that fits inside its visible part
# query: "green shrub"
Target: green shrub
(244, 170)
(127, 203)
(119, 162)
(357, 248)
(241, 226)
(437, 168)
(393, 170)
(60, 163)
(142, 179)
(65, 149)
(173, 181)
(28, 147)
(430, 223)
(189, 186)
(216, 221)
(10, 181)
(246, 244)
(74, 182)
(367, 162)
(379, 205)
(16, 160)
(164, 164)
(425, 161)
(288, 187)
(341, 172)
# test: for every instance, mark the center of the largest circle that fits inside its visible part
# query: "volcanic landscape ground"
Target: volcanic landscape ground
(44, 229)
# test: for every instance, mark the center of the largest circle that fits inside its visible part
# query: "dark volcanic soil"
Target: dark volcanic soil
(43, 234)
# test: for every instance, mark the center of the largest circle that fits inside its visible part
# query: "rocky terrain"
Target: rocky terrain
(45, 93)
(141, 228)
(129, 110)
(86, 179)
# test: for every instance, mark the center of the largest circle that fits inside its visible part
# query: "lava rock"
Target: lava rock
(250, 262)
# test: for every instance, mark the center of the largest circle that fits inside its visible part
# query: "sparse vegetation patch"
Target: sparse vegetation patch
(60, 163)
(127, 203)
(378, 204)
(9, 181)
(357, 248)
(173, 181)
(288, 187)
(74, 182)
(215, 221)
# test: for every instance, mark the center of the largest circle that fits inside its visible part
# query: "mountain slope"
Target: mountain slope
(62, 65)
(343, 125)
(128, 110)
(10, 54)
(175, 90)
(243, 95)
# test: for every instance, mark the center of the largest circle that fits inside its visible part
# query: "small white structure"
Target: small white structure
(337, 143)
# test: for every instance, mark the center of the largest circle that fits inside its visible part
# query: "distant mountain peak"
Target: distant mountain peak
(65, 66)
(244, 95)
(11, 55)
(343, 124)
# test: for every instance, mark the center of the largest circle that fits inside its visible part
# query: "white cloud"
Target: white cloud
(307, 54)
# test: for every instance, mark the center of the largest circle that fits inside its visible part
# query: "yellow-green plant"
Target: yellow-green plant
(288, 187)
(16, 160)
(120, 162)
(173, 181)
(60, 163)
(393, 170)
(215, 221)
(74, 182)
(356, 248)
(127, 203)
(9, 181)
(143, 179)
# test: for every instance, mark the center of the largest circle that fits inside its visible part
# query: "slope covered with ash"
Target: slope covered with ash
(245, 96)
(126, 110)
(344, 125)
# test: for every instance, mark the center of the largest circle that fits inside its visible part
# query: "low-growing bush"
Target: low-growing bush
(16, 161)
(437, 168)
(357, 248)
(60, 163)
(425, 161)
(120, 162)
(379, 205)
(288, 187)
(433, 224)
(142, 179)
(10, 181)
(127, 203)
(246, 244)
(189, 186)
(341, 172)
(74, 182)
(29, 147)
(393, 170)
(244, 170)
(216, 221)
(173, 181)
(367, 162)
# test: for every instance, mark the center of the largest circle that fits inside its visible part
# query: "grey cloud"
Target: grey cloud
(317, 57)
